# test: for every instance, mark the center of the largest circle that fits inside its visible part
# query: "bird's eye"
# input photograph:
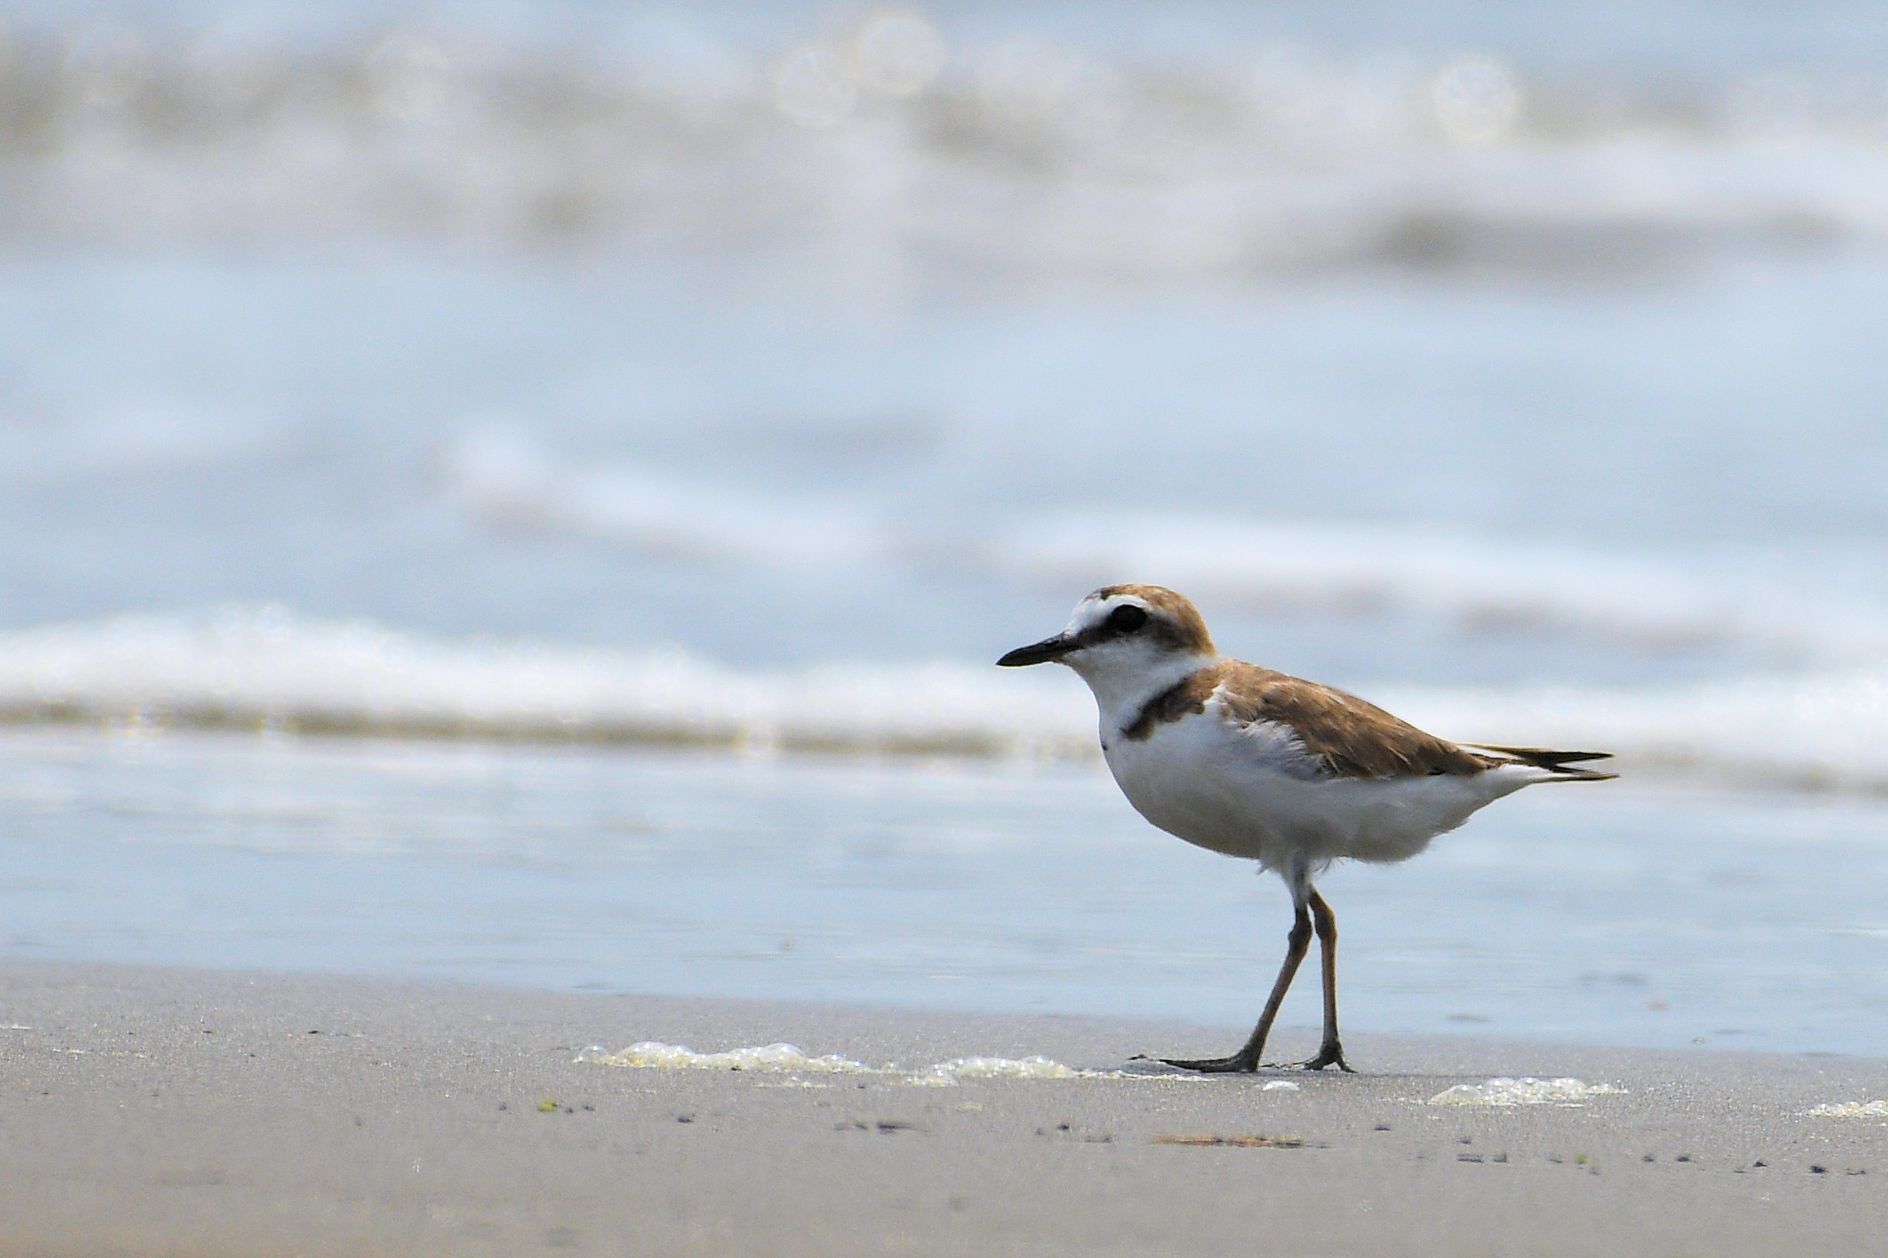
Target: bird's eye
(1127, 618)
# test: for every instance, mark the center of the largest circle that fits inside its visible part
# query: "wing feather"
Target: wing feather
(1349, 736)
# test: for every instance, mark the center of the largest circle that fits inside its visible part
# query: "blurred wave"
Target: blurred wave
(1473, 585)
(893, 138)
(263, 669)
(501, 475)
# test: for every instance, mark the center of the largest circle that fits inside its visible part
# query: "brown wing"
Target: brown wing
(1353, 738)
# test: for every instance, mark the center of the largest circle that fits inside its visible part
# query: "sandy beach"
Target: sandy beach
(164, 1111)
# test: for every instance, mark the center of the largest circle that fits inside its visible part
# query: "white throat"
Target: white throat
(1123, 682)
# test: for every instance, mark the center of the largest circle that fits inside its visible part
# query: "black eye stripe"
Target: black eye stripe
(1126, 618)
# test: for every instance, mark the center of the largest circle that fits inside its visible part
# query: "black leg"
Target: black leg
(1247, 1058)
(1330, 1052)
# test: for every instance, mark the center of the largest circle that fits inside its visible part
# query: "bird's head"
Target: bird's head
(1124, 639)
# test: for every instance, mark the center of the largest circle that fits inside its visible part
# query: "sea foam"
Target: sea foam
(768, 1058)
(1850, 1109)
(1523, 1091)
(787, 1059)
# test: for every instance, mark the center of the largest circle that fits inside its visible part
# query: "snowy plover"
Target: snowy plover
(1242, 760)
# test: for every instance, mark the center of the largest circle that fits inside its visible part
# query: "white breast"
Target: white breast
(1253, 791)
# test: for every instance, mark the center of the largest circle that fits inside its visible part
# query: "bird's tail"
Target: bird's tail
(1558, 763)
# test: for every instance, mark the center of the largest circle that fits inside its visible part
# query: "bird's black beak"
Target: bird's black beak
(1039, 652)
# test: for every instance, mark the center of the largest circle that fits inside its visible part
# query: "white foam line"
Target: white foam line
(788, 1059)
(1566, 1092)
(766, 1058)
(264, 668)
(1850, 1109)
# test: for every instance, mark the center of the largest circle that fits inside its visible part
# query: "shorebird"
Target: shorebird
(1258, 764)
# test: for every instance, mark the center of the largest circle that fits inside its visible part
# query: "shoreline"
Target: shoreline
(210, 1112)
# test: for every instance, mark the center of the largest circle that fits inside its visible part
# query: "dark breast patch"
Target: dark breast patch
(1186, 697)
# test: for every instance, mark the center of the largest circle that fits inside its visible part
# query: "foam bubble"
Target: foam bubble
(1850, 1109)
(767, 1058)
(961, 1068)
(1523, 1091)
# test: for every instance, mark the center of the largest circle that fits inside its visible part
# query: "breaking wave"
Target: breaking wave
(263, 669)
(899, 139)
(249, 668)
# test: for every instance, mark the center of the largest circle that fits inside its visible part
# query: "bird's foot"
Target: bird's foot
(1238, 1063)
(1331, 1054)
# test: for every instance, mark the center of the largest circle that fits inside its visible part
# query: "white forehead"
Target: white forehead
(1096, 608)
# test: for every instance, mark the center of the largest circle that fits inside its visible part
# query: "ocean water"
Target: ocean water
(705, 395)
(1620, 913)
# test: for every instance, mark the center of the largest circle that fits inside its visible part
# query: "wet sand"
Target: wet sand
(207, 1113)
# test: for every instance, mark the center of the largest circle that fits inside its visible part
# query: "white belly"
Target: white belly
(1253, 792)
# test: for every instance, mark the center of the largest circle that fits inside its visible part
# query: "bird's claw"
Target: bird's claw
(1329, 1055)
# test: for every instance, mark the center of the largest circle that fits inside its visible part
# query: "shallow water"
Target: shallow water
(1605, 914)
